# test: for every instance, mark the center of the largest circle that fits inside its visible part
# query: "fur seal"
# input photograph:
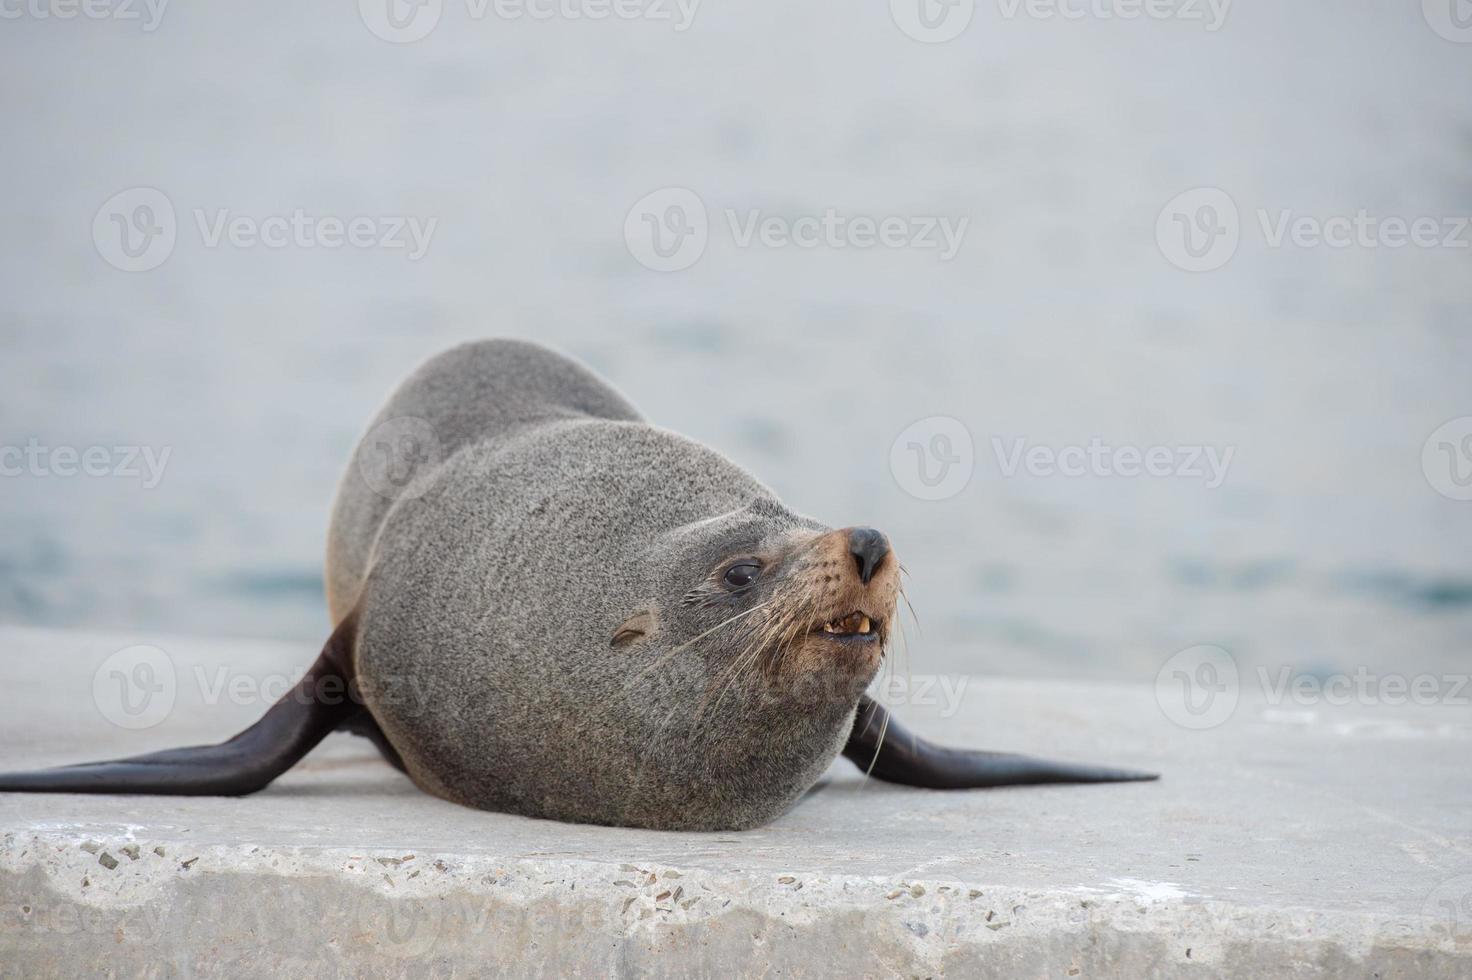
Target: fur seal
(547, 606)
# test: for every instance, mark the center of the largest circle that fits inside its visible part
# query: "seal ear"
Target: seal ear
(637, 626)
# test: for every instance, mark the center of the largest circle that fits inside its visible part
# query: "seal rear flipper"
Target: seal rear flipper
(317, 705)
(886, 750)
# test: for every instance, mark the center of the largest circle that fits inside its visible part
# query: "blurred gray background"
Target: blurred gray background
(1060, 320)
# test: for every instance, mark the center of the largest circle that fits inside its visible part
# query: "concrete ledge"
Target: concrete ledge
(1329, 842)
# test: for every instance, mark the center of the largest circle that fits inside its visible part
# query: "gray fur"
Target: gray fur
(490, 585)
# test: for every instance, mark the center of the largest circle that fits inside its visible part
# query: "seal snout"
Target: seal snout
(869, 548)
(856, 601)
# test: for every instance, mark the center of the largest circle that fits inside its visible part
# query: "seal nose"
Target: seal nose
(868, 547)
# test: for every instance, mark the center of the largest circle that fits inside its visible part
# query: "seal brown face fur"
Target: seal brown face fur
(550, 607)
(807, 615)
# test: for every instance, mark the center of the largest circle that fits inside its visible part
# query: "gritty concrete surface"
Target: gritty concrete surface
(1296, 841)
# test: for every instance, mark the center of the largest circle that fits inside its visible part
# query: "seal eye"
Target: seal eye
(742, 575)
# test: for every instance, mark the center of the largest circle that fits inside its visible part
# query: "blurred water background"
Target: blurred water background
(1059, 320)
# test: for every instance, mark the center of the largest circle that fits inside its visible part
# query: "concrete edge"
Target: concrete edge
(73, 903)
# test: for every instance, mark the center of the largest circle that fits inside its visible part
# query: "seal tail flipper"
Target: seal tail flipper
(887, 751)
(304, 716)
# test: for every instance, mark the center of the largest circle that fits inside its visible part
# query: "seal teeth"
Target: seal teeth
(852, 624)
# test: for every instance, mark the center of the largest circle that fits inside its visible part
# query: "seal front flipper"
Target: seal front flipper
(304, 716)
(886, 750)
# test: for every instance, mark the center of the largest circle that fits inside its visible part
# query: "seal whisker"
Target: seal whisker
(728, 674)
(723, 622)
(904, 654)
(913, 615)
(770, 632)
(798, 624)
(726, 678)
(903, 643)
(904, 646)
(664, 658)
(883, 730)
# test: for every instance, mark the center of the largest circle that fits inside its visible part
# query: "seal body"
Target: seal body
(535, 514)
(545, 605)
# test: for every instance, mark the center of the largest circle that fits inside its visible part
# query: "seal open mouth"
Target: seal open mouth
(854, 626)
